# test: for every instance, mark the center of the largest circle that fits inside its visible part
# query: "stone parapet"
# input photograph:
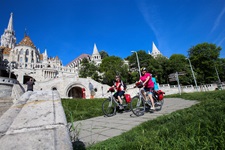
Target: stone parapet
(35, 121)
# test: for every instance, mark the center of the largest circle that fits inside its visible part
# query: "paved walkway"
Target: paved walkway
(101, 128)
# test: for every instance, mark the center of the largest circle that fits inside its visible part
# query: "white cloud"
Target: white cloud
(218, 19)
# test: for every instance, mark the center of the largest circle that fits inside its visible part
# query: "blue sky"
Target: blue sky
(69, 28)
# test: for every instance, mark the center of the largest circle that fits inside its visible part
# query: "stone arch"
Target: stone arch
(54, 88)
(74, 90)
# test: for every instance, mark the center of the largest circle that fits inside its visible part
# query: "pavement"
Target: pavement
(101, 128)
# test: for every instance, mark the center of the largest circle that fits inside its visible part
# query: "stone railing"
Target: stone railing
(8, 81)
(36, 121)
(64, 69)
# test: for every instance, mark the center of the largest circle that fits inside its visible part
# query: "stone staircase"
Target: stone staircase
(5, 104)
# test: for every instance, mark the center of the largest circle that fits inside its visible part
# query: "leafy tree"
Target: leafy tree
(103, 54)
(178, 63)
(145, 60)
(162, 69)
(203, 58)
(112, 66)
(88, 69)
(220, 67)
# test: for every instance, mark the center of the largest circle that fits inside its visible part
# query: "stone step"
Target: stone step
(6, 104)
(5, 100)
(4, 109)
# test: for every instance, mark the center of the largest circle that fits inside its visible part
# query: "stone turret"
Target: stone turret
(155, 51)
(8, 39)
(96, 57)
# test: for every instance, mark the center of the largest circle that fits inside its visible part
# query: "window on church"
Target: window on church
(27, 52)
(21, 52)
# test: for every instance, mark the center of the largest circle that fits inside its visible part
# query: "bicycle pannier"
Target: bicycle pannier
(160, 94)
(127, 98)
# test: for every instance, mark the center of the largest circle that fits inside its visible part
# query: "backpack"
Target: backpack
(124, 85)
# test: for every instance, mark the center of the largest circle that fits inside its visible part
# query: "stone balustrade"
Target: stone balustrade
(35, 121)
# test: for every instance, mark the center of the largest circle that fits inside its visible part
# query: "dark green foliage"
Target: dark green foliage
(203, 57)
(198, 127)
(103, 54)
(112, 66)
(88, 69)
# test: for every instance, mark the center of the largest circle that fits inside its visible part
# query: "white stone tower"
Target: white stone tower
(96, 57)
(8, 39)
(155, 51)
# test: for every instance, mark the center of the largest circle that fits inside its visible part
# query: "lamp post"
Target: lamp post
(139, 70)
(193, 73)
(218, 77)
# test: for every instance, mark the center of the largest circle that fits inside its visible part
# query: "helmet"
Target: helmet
(143, 69)
(117, 76)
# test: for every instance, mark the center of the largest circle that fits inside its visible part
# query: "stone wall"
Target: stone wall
(36, 121)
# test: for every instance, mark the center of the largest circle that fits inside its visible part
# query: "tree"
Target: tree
(203, 58)
(88, 69)
(145, 60)
(178, 63)
(112, 66)
(103, 54)
(161, 71)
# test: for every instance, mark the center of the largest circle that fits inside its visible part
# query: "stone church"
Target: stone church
(21, 61)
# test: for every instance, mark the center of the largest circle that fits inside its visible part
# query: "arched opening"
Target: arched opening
(26, 78)
(54, 88)
(75, 92)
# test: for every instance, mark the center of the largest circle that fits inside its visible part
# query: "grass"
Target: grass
(201, 126)
(80, 109)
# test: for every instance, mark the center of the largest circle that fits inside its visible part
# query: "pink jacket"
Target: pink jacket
(150, 83)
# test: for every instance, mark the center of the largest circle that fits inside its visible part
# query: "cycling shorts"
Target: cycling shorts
(119, 93)
(149, 90)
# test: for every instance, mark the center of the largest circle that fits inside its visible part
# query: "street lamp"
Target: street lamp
(218, 77)
(139, 70)
(193, 73)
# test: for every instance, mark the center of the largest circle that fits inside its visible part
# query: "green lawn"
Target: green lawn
(201, 126)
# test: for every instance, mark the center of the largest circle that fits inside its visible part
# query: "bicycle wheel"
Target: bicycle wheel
(109, 107)
(158, 104)
(137, 106)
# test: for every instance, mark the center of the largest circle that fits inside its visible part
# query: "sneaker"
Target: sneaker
(121, 107)
(152, 108)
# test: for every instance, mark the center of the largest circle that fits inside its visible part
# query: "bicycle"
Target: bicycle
(139, 105)
(110, 105)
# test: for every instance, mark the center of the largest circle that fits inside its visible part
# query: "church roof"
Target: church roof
(79, 58)
(26, 41)
(5, 50)
(41, 56)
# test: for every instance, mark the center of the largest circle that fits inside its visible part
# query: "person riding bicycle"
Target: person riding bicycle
(119, 86)
(146, 79)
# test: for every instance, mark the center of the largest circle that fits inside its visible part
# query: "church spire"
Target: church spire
(96, 57)
(155, 50)
(95, 50)
(8, 39)
(10, 24)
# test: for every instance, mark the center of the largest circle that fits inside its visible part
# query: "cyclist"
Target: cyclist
(119, 86)
(146, 78)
